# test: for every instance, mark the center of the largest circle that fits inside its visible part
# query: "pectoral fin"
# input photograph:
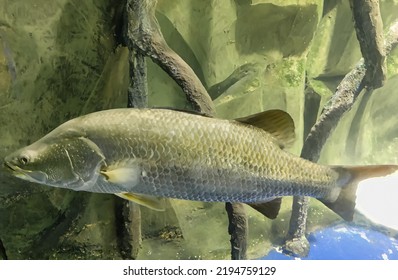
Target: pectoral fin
(147, 201)
(127, 176)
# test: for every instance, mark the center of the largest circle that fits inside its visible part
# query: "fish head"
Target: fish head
(26, 164)
(72, 163)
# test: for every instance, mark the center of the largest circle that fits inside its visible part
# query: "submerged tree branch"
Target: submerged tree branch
(138, 88)
(137, 97)
(237, 229)
(341, 102)
(296, 243)
(145, 35)
(369, 30)
(130, 236)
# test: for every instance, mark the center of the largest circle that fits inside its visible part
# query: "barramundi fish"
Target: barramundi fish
(146, 154)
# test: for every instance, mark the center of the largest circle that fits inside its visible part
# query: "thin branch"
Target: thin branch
(296, 243)
(128, 215)
(145, 35)
(369, 30)
(138, 89)
(341, 102)
(237, 229)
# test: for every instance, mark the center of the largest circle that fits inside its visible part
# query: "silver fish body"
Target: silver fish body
(167, 153)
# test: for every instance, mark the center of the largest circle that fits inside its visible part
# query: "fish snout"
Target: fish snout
(7, 166)
(15, 163)
(11, 165)
(16, 160)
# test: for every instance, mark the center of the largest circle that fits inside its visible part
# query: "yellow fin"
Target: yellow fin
(147, 201)
(124, 176)
(276, 122)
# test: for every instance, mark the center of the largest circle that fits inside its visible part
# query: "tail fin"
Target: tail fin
(348, 181)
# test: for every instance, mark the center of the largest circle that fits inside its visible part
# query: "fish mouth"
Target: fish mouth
(11, 167)
(14, 169)
(31, 176)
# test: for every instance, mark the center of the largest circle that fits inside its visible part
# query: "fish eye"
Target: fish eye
(24, 159)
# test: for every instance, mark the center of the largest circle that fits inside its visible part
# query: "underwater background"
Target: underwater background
(63, 58)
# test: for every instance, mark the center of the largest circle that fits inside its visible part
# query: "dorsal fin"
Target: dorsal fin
(276, 122)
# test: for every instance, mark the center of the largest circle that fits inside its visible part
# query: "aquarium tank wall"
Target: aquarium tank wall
(65, 58)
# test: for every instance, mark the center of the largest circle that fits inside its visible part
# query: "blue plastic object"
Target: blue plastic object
(346, 242)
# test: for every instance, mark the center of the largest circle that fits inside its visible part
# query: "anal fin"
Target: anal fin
(147, 201)
(269, 209)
